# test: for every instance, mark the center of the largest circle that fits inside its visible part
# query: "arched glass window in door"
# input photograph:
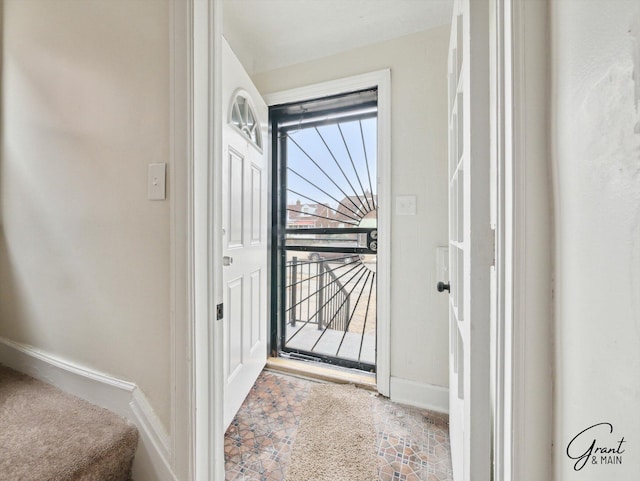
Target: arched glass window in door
(245, 120)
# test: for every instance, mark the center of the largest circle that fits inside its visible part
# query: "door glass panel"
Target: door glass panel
(244, 119)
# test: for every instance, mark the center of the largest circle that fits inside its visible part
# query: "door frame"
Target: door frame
(522, 332)
(380, 79)
(197, 378)
(195, 133)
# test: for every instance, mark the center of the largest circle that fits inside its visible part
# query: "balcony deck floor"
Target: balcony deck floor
(332, 342)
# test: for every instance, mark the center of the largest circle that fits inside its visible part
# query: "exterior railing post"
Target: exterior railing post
(320, 294)
(294, 291)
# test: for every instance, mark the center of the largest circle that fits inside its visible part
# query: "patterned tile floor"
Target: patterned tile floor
(412, 444)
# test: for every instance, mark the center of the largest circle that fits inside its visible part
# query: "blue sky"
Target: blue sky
(332, 181)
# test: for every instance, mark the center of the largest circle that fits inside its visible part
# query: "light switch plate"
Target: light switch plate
(406, 205)
(156, 181)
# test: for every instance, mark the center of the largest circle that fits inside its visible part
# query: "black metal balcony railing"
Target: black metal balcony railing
(316, 295)
(330, 308)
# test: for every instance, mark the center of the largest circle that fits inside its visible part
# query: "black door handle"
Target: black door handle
(443, 287)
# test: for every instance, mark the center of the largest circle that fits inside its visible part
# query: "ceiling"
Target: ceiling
(269, 34)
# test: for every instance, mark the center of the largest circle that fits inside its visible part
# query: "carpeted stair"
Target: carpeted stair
(48, 435)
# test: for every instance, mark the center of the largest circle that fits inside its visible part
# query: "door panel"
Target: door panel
(256, 204)
(234, 331)
(244, 232)
(256, 315)
(236, 197)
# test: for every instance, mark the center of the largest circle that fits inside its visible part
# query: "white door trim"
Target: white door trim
(382, 80)
(525, 419)
(203, 359)
(500, 368)
(181, 232)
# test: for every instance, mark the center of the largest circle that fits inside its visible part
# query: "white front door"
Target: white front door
(244, 191)
(470, 243)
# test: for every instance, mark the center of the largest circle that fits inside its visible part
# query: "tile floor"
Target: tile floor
(412, 444)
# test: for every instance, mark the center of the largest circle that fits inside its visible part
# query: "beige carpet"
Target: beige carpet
(336, 438)
(48, 435)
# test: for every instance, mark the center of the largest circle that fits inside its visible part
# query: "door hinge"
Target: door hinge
(219, 312)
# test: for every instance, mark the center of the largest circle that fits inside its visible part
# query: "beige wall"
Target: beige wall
(84, 256)
(418, 167)
(596, 86)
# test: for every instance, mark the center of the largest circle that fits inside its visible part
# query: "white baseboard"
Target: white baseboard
(425, 396)
(124, 398)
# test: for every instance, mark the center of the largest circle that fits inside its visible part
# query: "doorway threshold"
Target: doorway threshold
(322, 372)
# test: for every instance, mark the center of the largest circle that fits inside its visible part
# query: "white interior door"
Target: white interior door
(244, 191)
(456, 246)
(470, 242)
